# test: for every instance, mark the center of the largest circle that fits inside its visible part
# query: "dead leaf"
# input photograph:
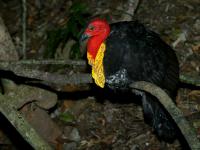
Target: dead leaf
(195, 96)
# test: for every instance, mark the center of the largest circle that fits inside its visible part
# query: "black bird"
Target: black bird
(125, 52)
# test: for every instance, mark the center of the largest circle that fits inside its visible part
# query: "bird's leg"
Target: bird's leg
(157, 117)
(147, 109)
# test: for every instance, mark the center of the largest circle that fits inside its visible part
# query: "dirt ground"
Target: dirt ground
(85, 119)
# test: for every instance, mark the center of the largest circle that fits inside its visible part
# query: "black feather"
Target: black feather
(134, 53)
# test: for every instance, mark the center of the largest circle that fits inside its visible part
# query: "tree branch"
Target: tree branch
(20, 68)
(7, 103)
(187, 130)
(7, 48)
(21, 125)
(4, 64)
(131, 6)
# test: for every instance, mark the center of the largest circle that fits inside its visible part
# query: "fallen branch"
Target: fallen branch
(187, 130)
(55, 78)
(24, 94)
(20, 123)
(7, 106)
(20, 68)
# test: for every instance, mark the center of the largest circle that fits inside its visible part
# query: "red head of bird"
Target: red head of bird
(96, 33)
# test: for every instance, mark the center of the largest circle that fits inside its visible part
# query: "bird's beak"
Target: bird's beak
(83, 43)
(84, 37)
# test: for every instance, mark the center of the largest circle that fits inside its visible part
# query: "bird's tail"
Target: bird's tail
(158, 118)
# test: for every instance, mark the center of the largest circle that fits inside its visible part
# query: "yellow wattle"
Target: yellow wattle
(97, 65)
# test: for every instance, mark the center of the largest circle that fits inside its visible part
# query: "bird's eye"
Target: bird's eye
(91, 28)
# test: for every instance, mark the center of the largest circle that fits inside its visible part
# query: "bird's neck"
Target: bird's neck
(97, 66)
(94, 43)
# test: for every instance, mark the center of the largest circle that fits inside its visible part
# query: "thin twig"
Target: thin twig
(43, 62)
(187, 130)
(193, 80)
(24, 21)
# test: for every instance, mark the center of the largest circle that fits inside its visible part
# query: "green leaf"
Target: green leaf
(52, 42)
(72, 30)
(66, 117)
(75, 51)
(78, 8)
(80, 19)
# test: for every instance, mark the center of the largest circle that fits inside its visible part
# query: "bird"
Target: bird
(125, 52)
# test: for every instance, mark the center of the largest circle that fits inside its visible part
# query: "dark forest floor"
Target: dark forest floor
(88, 120)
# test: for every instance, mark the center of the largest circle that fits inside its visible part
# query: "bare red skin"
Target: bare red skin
(98, 30)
